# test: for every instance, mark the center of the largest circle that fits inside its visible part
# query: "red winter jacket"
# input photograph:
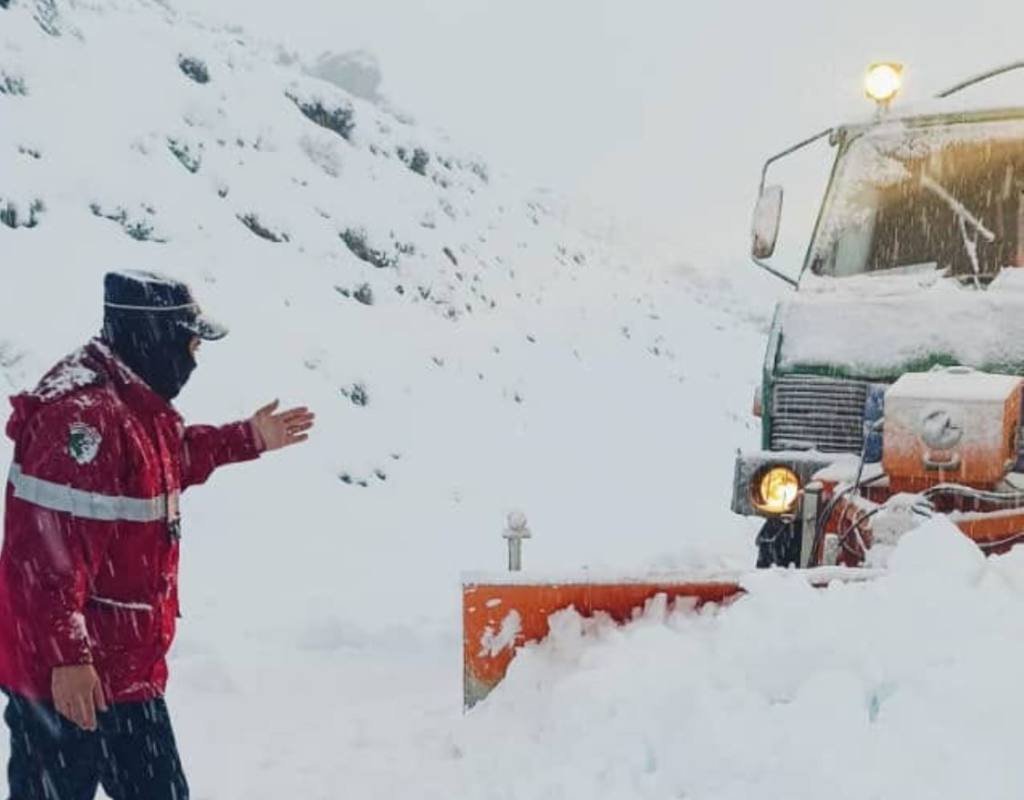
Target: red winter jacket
(89, 565)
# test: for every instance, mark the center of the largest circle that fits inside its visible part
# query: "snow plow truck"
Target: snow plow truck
(892, 380)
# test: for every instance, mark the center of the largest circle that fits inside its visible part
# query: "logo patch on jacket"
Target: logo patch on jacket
(83, 442)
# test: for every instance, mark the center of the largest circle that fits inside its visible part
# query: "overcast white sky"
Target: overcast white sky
(659, 110)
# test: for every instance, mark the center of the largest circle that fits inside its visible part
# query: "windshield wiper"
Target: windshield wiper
(964, 218)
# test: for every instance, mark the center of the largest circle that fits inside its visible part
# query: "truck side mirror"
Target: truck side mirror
(765, 227)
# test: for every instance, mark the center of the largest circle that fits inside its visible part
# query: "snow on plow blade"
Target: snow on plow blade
(500, 613)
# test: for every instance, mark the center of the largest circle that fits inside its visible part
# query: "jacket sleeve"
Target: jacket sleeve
(206, 447)
(68, 477)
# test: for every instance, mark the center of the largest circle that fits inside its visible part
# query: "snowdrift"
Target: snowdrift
(906, 686)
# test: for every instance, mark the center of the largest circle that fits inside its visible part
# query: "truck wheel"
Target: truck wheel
(778, 543)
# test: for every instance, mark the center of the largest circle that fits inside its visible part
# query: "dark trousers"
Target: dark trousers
(132, 754)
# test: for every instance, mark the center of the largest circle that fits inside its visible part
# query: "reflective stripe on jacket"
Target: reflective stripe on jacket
(89, 564)
(86, 505)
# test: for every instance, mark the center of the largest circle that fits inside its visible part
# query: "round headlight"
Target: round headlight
(776, 490)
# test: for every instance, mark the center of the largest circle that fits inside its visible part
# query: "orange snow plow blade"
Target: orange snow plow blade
(499, 617)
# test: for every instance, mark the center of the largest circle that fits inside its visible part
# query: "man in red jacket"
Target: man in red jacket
(89, 565)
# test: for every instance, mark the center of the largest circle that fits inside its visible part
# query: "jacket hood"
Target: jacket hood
(91, 366)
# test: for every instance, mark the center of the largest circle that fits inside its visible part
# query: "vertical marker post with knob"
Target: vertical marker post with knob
(515, 531)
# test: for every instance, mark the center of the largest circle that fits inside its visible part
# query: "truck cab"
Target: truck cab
(913, 269)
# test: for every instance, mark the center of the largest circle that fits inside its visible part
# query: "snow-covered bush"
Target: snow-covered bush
(362, 293)
(480, 170)
(194, 68)
(340, 118)
(12, 84)
(357, 394)
(189, 157)
(252, 222)
(47, 16)
(13, 217)
(345, 477)
(355, 241)
(417, 160)
(138, 225)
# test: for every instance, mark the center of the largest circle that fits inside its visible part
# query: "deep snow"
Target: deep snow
(319, 656)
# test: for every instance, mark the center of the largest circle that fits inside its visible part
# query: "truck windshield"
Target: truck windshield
(946, 198)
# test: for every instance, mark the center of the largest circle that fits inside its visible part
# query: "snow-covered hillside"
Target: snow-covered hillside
(469, 351)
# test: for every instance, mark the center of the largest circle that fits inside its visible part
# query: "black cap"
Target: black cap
(138, 292)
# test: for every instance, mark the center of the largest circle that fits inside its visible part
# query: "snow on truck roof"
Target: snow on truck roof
(930, 114)
(976, 98)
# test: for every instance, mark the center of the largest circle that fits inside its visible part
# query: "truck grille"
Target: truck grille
(810, 412)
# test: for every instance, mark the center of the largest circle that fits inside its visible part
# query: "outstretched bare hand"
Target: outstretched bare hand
(275, 429)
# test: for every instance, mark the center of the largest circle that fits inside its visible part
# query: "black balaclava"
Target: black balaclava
(149, 320)
(156, 348)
